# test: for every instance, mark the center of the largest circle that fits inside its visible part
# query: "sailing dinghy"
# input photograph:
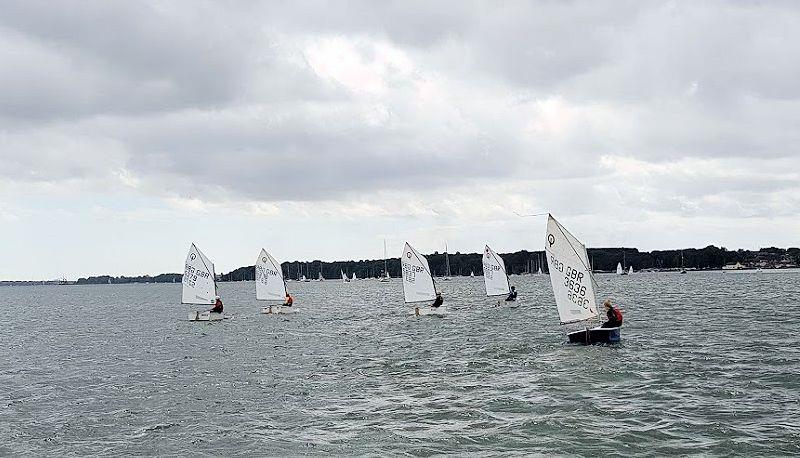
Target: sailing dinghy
(270, 285)
(630, 270)
(495, 277)
(418, 284)
(573, 285)
(345, 279)
(199, 285)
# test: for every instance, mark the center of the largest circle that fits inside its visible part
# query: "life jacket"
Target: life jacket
(617, 314)
(289, 300)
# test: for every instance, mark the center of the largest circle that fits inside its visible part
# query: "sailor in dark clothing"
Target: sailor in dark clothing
(512, 296)
(614, 315)
(217, 306)
(438, 301)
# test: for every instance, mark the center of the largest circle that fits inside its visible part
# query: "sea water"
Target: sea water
(709, 364)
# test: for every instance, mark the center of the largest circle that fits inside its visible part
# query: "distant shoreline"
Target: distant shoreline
(603, 260)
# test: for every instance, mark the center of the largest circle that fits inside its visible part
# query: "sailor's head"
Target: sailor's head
(438, 294)
(287, 293)
(216, 298)
(607, 303)
(513, 288)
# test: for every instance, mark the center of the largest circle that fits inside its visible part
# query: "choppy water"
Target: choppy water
(709, 364)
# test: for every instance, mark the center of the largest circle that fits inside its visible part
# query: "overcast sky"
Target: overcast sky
(315, 130)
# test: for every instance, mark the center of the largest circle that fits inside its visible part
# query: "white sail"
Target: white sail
(630, 270)
(354, 277)
(619, 268)
(199, 283)
(270, 285)
(418, 283)
(344, 277)
(570, 274)
(494, 273)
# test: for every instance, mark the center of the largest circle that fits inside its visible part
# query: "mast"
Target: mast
(446, 260)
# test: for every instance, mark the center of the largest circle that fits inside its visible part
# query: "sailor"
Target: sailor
(438, 301)
(614, 315)
(289, 300)
(217, 305)
(512, 296)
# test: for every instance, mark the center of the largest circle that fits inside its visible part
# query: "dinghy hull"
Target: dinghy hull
(205, 316)
(595, 336)
(277, 310)
(429, 311)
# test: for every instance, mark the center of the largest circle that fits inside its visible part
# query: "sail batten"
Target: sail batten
(199, 280)
(570, 275)
(495, 277)
(270, 285)
(418, 284)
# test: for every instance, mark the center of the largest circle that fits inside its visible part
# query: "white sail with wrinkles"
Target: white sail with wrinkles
(418, 283)
(619, 268)
(495, 277)
(570, 274)
(270, 285)
(199, 282)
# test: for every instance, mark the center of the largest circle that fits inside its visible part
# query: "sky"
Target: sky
(129, 130)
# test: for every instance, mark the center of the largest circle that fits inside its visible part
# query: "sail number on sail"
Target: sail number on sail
(410, 272)
(190, 275)
(263, 273)
(489, 269)
(573, 281)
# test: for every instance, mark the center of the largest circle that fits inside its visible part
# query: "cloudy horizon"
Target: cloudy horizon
(129, 130)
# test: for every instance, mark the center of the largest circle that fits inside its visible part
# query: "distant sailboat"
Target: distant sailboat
(630, 270)
(270, 285)
(199, 285)
(385, 277)
(683, 269)
(573, 284)
(621, 267)
(354, 277)
(344, 277)
(418, 284)
(495, 277)
(447, 264)
(320, 277)
(471, 273)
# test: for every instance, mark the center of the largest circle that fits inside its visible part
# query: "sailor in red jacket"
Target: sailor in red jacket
(614, 315)
(217, 306)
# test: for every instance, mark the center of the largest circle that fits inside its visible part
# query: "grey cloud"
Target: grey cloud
(221, 95)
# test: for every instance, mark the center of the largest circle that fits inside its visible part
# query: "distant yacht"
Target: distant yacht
(683, 269)
(447, 264)
(385, 277)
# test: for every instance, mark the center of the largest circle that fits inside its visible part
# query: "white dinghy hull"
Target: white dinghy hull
(205, 316)
(278, 310)
(429, 311)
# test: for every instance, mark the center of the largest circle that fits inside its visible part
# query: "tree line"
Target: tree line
(520, 262)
